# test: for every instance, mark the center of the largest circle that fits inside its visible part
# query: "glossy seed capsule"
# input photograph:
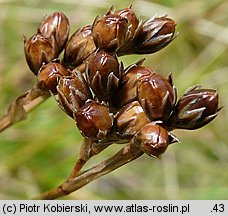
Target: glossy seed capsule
(196, 108)
(56, 25)
(134, 26)
(155, 34)
(153, 139)
(38, 51)
(127, 91)
(73, 92)
(79, 47)
(103, 74)
(94, 120)
(130, 119)
(157, 96)
(49, 75)
(109, 32)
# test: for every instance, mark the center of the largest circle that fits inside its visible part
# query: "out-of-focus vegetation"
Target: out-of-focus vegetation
(39, 153)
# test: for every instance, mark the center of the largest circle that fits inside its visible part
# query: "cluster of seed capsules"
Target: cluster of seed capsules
(108, 102)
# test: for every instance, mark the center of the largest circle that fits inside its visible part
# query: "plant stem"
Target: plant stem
(89, 148)
(125, 155)
(84, 156)
(20, 107)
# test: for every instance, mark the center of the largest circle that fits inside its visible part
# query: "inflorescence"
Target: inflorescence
(108, 102)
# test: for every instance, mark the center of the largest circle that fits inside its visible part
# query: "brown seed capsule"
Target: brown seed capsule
(94, 120)
(153, 139)
(38, 51)
(157, 96)
(130, 119)
(155, 34)
(128, 88)
(79, 47)
(103, 74)
(56, 25)
(196, 108)
(49, 76)
(109, 32)
(73, 92)
(134, 25)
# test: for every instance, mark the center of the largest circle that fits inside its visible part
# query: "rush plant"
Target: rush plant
(132, 106)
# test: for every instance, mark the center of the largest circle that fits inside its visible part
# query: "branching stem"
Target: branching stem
(125, 155)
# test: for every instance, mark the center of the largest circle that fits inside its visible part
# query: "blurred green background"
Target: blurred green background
(39, 153)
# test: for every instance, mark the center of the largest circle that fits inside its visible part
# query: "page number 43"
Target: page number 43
(218, 208)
